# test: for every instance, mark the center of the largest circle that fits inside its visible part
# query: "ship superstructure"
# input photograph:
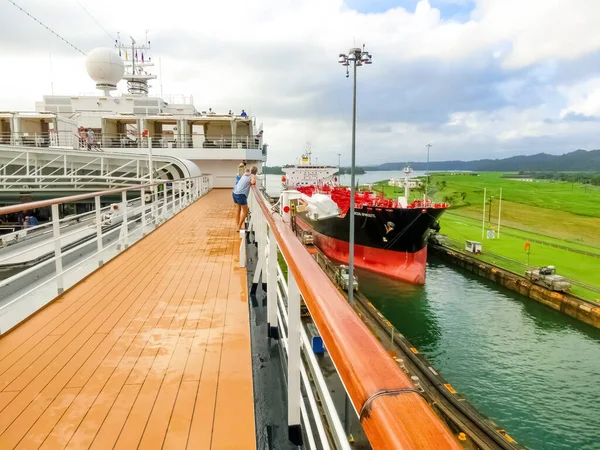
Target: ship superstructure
(137, 122)
(308, 174)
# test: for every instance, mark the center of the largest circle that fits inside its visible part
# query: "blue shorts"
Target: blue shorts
(240, 199)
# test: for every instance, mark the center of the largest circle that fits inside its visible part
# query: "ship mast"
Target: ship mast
(136, 59)
(307, 153)
(407, 171)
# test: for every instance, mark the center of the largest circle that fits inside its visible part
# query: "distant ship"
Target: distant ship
(390, 235)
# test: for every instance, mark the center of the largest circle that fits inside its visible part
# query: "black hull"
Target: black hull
(398, 229)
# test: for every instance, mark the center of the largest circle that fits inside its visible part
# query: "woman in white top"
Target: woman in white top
(240, 195)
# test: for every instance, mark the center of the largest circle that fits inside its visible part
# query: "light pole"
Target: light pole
(427, 173)
(357, 58)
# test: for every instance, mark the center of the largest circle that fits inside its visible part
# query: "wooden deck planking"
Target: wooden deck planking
(31, 350)
(230, 386)
(150, 351)
(63, 307)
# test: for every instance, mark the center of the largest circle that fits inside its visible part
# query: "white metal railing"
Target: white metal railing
(101, 141)
(40, 139)
(99, 235)
(316, 413)
(178, 99)
(170, 140)
(60, 169)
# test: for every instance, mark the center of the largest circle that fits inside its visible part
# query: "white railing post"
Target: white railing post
(260, 236)
(154, 206)
(165, 200)
(252, 206)
(124, 223)
(98, 228)
(272, 325)
(294, 361)
(173, 184)
(57, 249)
(262, 247)
(179, 196)
(188, 192)
(143, 203)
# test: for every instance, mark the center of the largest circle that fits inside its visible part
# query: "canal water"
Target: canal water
(532, 370)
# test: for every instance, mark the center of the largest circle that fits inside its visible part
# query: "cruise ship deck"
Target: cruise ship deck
(150, 351)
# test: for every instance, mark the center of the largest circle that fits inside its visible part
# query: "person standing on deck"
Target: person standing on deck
(241, 170)
(243, 114)
(90, 138)
(240, 174)
(239, 199)
(240, 195)
(82, 137)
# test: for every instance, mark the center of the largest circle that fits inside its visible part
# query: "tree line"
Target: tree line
(592, 178)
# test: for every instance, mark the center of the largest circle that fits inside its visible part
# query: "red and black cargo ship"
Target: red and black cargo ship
(390, 238)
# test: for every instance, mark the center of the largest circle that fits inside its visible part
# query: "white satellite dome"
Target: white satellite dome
(105, 67)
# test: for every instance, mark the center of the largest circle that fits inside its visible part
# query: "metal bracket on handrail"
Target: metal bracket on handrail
(364, 411)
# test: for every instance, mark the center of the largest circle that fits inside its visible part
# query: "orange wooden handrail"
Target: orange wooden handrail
(393, 415)
(74, 198)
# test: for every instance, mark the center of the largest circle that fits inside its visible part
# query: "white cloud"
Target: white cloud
(541, 29)
(583, 99)
(278, 58)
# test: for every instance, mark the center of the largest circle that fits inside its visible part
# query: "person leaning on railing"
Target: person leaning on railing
(240, 195)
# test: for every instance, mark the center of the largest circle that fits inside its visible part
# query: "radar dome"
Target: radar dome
(105, 67)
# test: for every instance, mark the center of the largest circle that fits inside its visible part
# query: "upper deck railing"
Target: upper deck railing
(54, 169)
(392, 412)
(99, 141)
(169, 140)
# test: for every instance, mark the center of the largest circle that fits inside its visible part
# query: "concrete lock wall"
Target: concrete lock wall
(566, 303)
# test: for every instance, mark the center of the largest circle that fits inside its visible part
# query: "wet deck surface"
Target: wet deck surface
(150, 351)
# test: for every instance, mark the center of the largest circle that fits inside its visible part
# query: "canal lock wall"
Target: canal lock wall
(566, 303)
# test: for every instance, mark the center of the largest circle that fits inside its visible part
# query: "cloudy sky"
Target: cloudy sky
(476, 78)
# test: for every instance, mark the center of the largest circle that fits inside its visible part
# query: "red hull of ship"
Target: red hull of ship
(409, 267)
